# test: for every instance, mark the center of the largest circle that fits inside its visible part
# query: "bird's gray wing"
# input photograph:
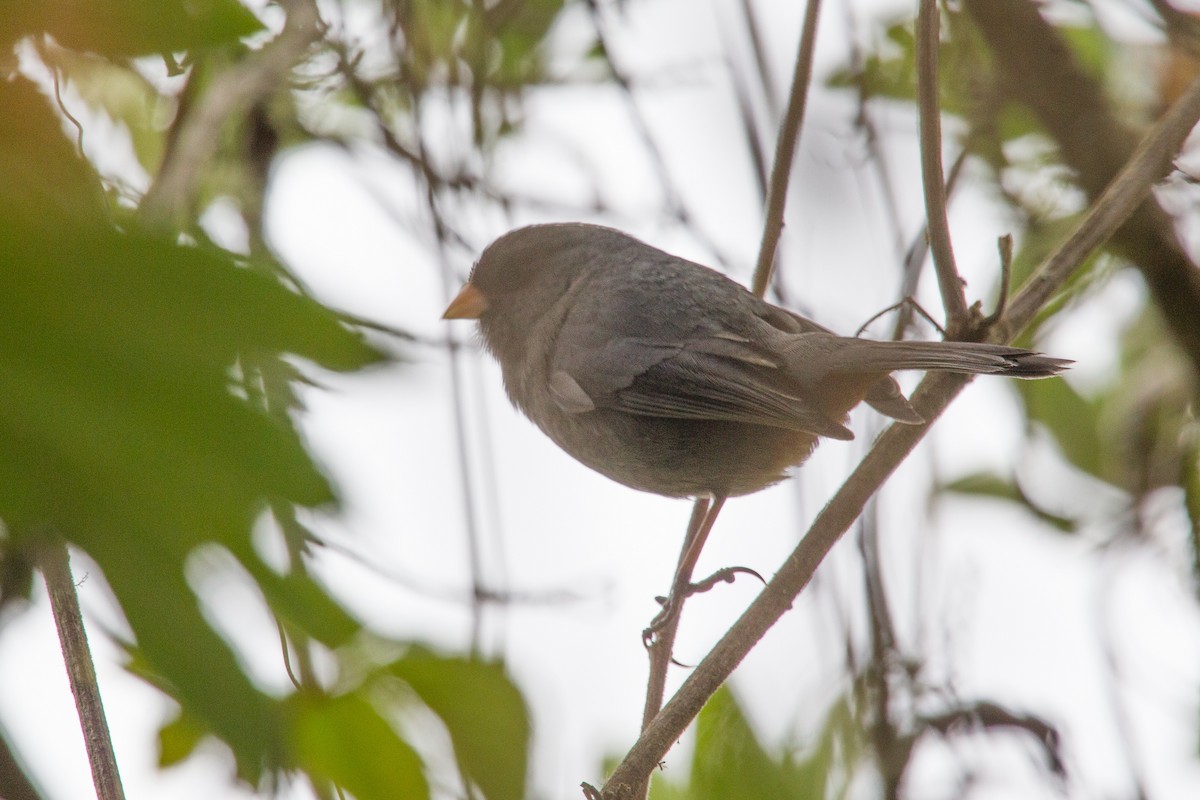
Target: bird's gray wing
(714, 375)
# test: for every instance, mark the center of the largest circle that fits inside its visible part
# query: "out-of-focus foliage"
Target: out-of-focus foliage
(121, 28)
(149, 376)
(147, 415)
(1137, 433)
(730, 763)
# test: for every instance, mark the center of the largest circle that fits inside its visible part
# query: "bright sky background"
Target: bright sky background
(1002, 608)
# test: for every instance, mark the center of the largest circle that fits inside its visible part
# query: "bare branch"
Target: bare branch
(64, 602)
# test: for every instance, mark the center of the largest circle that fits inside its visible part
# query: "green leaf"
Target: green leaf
(1071, 419)
(122, 427)
(343, 740)
(298, 600)
(989, 484)
(129, 27)
(730, 763)
(483, 712)
(178, 739)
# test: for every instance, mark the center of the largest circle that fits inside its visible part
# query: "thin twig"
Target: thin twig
(750, 127)
(936, 391)
(863, 120)
(466, 480)
(761, 61)
(62, 106)
(950, 282)
(1005, 246)
(81, 671)
(785, 150)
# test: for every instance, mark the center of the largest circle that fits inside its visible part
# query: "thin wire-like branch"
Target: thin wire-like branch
(62, 106)
(81, 671)
(949, 281)
(750, 127)
(761, 61)
(458, 393)
(231, 93)
(877, 155)
(934, 394)
(1005, 247)
(785, 150)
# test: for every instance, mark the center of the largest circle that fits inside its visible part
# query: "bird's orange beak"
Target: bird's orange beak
(470, 303)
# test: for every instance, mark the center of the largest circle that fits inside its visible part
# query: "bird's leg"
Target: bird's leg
(660, 636)
(704, 516)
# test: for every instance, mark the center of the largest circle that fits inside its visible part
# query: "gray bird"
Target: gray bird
(671, 378)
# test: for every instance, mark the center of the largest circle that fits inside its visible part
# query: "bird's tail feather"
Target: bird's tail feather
(864, 355)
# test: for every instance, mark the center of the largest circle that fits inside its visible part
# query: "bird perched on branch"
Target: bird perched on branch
(671, 378)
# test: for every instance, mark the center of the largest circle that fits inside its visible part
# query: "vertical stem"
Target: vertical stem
(932, 175)
(64, 602)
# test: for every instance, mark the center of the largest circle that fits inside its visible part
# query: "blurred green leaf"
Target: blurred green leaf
(730, 763)
(178, 739)
(483, 712)
(122, 428)
(1071, 419)
(42, 178)
(989, 484)
(343, 740)
(968, 84)
(304, 605)
(1093, 48)
(519, 35)
(129, 27)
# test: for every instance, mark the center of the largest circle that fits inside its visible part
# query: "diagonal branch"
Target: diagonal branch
(81, 671)
(893, 446)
